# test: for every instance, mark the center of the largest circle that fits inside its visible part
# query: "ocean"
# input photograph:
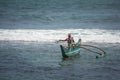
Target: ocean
(55, 14)
(29, 30)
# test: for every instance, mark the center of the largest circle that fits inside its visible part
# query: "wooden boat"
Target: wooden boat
(70, 51)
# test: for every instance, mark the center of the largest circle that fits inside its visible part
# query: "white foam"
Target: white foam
(87, 35)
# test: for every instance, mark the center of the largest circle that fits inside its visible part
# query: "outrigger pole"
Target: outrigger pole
(101, 54)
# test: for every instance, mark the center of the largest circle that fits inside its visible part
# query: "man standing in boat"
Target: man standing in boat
(70, 40)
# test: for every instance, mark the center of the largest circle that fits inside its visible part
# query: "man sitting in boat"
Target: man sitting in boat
(70, 41)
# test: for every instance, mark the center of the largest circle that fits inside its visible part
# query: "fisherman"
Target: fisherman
(70, 41)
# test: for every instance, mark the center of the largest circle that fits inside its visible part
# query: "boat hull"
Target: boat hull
(69, 52)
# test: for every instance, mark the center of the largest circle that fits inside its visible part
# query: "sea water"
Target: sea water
(29, 30)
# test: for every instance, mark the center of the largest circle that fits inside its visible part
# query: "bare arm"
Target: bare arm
(62, 40)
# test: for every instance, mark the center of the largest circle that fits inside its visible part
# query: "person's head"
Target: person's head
(69, 35)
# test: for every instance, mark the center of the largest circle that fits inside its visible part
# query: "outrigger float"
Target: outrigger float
(75, 50)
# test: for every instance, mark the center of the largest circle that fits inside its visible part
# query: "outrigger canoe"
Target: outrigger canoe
(69, 52)
(75, 50)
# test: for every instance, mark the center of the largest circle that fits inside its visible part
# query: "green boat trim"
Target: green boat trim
(75, 51)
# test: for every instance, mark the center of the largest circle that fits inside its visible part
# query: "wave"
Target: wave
(87, 35)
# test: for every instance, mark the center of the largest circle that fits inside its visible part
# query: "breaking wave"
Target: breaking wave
(87, 35)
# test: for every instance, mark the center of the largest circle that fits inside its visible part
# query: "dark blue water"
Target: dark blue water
(29, 29)
(57, 14)
(32, 61)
